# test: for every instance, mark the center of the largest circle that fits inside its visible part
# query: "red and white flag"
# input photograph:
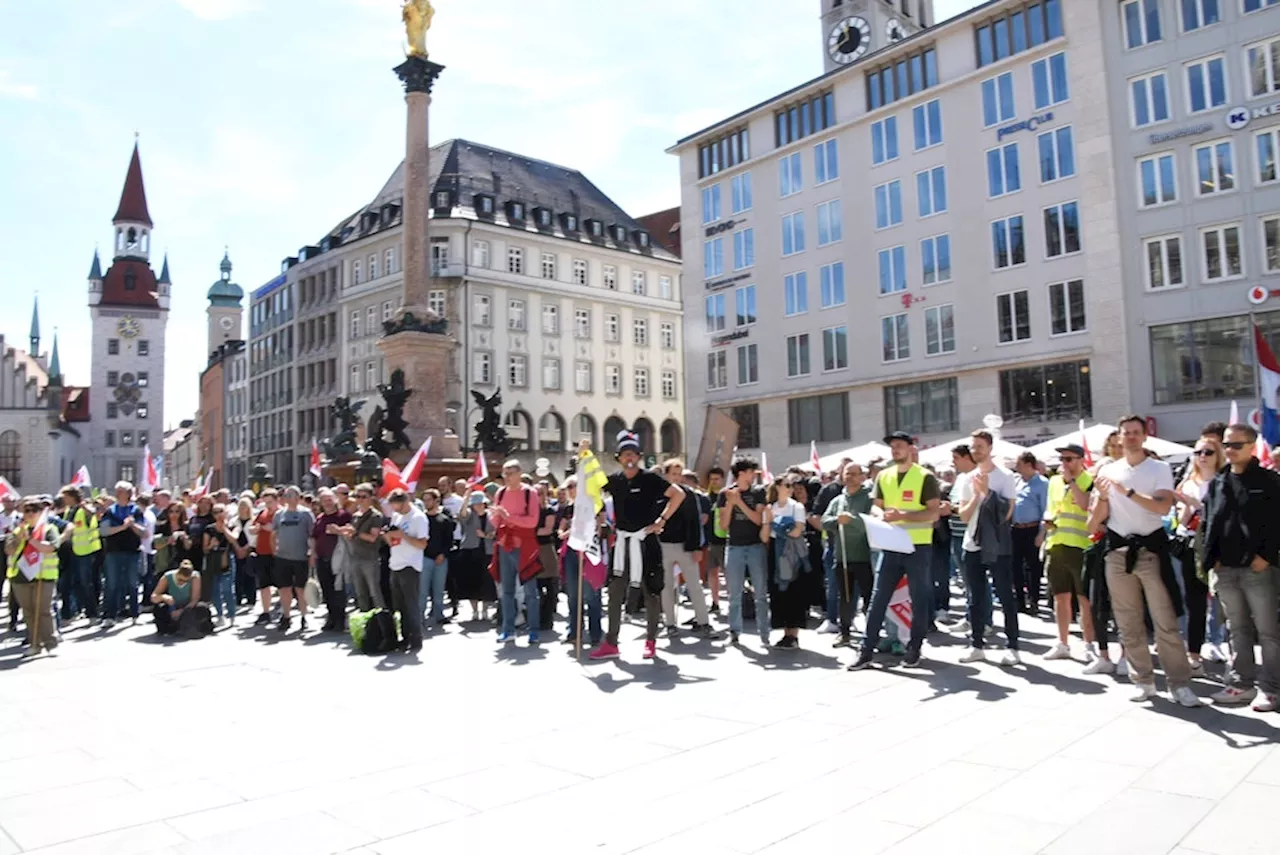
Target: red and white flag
(7, 490)
(413, 469)
(764, 469)
(391, 479)
(30, 559)
(480, 474)
(150, 475)
(315, 459)
(1262, 451)
(203, 480)
(899, 612)
(1084, 443)
(814, 460)
(81, 478)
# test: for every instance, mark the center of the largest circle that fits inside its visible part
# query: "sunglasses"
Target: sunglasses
(1206, 452)
(1068, 458)
(1234, 446)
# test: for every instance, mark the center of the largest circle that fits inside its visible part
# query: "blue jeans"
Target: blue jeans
(975, 579)
(941, 572)
(738, 562)
(79, 590)
(224, 593)
(591, 600)
(833, 580)
(509, 577)
(432, 585)
(122, 584)
(147, 570)
(893, 566)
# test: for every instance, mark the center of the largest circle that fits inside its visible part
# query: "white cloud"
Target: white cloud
(217, 10)
(13, 89)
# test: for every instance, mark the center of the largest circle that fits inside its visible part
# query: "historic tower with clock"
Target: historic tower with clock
(225, 311)
(130, 310)
(851, 29)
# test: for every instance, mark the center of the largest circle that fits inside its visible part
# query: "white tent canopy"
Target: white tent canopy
(862, 454)
(1170, 452)
(939, 456)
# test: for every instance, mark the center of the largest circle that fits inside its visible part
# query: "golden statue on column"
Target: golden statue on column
(417, 15)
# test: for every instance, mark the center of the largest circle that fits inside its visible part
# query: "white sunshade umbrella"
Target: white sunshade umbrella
(1096, 435)
(940, 455)
(862, 454)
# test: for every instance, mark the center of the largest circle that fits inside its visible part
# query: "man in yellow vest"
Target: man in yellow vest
(32, 550)
(78, 552)
(1066, 518)
(908, 495)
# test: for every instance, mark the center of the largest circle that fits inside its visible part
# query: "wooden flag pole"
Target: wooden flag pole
(35, 621)
(577, 626)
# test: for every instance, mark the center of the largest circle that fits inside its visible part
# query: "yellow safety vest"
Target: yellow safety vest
(1069, 519)
(904, 495)
(48, 563)
(85, 539)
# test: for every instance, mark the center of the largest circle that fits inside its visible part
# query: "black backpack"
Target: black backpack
(379, 634)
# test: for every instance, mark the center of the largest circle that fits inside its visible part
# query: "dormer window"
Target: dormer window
(484, 205)
(619, 234)
(642, 239)
(515, 211)
(569, 222)
(542, 217)
(443, 200)
(595, 228)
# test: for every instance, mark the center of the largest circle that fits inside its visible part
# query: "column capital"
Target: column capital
(418, 74)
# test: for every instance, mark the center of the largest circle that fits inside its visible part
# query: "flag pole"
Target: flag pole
(577, 625)
(35, 623)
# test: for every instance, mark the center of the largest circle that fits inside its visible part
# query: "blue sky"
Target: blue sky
(262, 123)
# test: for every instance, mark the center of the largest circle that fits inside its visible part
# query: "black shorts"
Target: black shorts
(262, 565)
(289, 574)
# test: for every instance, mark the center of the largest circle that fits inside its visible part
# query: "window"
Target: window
(1061, 229)
(817, 418)
(484, 204)
(901, 77)
(373, 267)
(515, 260)
(798, 355)
(1057, 155)
(435, 302)
(710, 204)
(517, 370)
(386, 310)
(1049, 81)
(831, 284)
(712, 264)
(113, 347)
(582, 377)
(835, 348)
(113, 411)
(113, 378)
(931, 191)
(1023, 27)
(729, 150)
(582, 323)
(669, 384)
(997, 100)
(1199, 13)
(1141, 22)
(1066, 307)
(550, 373)
(830, 224)
(1255, 5)
(640, 332)
(1007, 245)
(516, 210)
(664, 288)
(744, 253)
(1221, 247)
(1046, 393)
(1149, 96)
(143, 411)
(816, 113)
(667, 336)
(893, 269)
(370, 320)
(1013, 316)
(610, 273)
(939, 330)
(144, 347)
(1206, 84)
(1203, 360)
(388, 260)
(481, 310)
(889, 204)
(826, 162)
(894, 341)
(884, 140)
(11, 455)
(793, 233)
(612, 333)
(144, 379)
(640, 284)
(929, 407)
(143, 437)
(717, 370)
(371, 375)
(926, 120)
(1266, 144)
(1003, 175)
(480, 253)
(355, 379)
(355, 273)
(1215, 167)
(110, 439)
(748, 365)
(548, 265)
(935, 259)
(1271, 244)
(1164, 261)
(790, 174)
(795, 292)
(579, 272)
(1157, 183)
(642, 382)
(740, 187)
(550, 319)
(744, 300)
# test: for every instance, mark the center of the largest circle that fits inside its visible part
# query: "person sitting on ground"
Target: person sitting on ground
(176, 600)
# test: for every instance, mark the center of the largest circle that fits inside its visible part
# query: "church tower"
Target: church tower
(129, 308)
(225, 311)
(851, 29)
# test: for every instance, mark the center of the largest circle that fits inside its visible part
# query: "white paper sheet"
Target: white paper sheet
(886, 537)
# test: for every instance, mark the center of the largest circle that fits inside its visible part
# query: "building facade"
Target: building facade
(313, 278)
(270, 357)
(225, 314)
(235, 415)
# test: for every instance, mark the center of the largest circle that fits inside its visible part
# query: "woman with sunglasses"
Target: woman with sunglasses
(1206, 462)
(32, 550)
(216, 545)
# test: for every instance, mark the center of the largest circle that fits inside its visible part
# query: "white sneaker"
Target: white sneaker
(218, 621)
(960, 627)
(1213, 653)
(975, 654)
(1266, 703)
(1122, 668)
(1184, 696)
(828, 628)
(1146, 691)
(1010, 658)
(1233, 696)
(1091, 650)
(1058, 651)
(1100, 666)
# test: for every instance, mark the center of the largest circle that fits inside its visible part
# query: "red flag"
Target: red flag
(814, 460)
(391, 479)
(29, 561)
(7, 491)
(314, 468)
(764, 469)
(81, 478)
(413, 469)
(480, 474)
(1262, 451)
(150, 477)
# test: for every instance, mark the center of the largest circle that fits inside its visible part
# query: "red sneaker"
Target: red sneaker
(603, 652)
(650, 649)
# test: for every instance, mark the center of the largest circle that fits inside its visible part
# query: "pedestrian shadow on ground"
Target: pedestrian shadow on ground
(798, 659)
(657, 675)
(396, 660)
(686, 645)
(1237, 726)
(155, 639)
(100, 632)
(519, 654)
(947, 679)
(11, 657)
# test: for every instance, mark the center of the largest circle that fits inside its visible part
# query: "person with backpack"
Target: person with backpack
(514, 515)
(407, 534)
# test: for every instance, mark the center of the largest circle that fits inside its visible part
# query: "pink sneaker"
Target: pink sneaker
(603, 652)
(650, 649)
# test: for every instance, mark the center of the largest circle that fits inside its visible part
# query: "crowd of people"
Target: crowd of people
(1187, 565)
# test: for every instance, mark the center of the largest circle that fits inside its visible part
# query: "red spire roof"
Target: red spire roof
(133, 201)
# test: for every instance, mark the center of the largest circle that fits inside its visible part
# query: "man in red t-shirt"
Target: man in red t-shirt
(264, 554)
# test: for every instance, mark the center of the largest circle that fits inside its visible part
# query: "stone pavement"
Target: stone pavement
(250, 743)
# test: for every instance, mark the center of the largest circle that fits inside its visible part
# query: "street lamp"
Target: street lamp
(369, 470)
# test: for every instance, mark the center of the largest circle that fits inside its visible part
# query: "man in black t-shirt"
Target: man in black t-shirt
(681, 543)
(740, 508)
(826, 493)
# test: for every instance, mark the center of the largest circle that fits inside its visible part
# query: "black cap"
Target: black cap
(902, 435)
(1071, 448)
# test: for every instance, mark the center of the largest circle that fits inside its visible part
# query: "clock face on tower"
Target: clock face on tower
(128, 327)
(893, 31)
(849, 39)
(225, 323)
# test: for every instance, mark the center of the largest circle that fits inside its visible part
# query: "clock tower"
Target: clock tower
(851, 29)
(129, 308)
(225, 312)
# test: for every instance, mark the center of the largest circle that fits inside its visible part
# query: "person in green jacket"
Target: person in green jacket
(848, 535)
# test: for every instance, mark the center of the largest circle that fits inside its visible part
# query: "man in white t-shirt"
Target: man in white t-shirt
(407, 536)
(981, 557)
(1131, 496)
